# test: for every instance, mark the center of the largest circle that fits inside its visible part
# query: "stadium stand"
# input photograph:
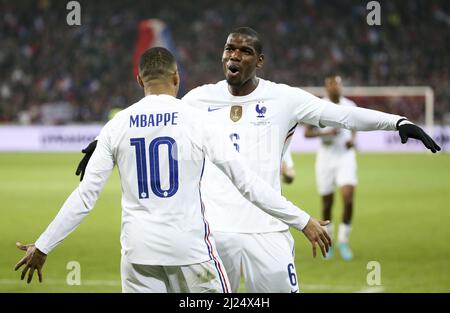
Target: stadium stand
(52, 73)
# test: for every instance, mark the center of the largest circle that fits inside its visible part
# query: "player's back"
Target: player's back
(159, 155)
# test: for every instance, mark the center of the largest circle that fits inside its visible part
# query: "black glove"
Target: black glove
(413, 131)
(85, 160)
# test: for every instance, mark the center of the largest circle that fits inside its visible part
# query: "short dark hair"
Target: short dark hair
(251, 33)
(332, 75)
(156, 63)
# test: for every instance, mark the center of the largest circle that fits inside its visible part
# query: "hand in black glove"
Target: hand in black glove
(409, 130)
(88, 151)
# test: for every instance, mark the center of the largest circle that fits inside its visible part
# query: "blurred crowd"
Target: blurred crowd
(53, 73)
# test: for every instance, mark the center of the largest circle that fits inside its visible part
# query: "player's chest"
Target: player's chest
(251, 114)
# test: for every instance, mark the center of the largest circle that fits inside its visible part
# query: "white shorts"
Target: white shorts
(265, 259)
(199, 278)
(335, 170)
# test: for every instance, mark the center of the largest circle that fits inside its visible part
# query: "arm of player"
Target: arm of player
(287, 167)
(315, 111)
(88, 151)
(83, 198)
(351, 142)
(73, 211)
(361, 119)
(254, 189)
(312, 132)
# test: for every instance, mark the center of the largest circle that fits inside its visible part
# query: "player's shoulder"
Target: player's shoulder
(115, 124)
(281, 89)
(269, 85)
(118, 117)
(206, 91)
(192, 113)
(154, 102)
(121, 115)
(347, 101)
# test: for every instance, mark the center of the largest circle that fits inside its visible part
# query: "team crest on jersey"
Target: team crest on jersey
(236, 113)
(261, 110)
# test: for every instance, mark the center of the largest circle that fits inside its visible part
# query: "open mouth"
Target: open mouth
(233, 68)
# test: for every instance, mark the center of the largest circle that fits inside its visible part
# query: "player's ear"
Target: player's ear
(176, 80)
(260, 62)
(139, 81)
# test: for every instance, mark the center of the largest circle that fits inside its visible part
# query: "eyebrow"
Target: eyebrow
(249, 48)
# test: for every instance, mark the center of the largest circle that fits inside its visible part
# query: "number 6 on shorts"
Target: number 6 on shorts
(292, 276)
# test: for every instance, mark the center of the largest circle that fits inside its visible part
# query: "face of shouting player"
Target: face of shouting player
(240, 61)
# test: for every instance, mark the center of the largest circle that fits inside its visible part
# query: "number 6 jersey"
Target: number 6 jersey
(159, 145)
(260, 126)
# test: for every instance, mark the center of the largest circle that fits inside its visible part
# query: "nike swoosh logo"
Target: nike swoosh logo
(213, 109)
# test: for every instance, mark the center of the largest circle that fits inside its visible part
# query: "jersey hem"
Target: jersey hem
(162, 263)
(275, 230)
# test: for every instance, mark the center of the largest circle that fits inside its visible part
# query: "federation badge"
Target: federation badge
(261, 111)
(236, 113)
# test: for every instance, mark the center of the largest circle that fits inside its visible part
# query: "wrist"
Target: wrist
(401, 122)
(40, 249)
(304, 223)
(40, 252)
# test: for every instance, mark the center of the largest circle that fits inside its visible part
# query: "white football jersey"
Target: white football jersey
(159, 145)
(336, 144)
(260, 126)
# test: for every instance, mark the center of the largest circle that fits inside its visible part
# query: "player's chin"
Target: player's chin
(233, 80)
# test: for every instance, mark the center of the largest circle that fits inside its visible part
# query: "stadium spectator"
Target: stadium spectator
(43, 61)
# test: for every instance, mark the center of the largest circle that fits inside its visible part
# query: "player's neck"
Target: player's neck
(245, 89)
(160, 89)
(335, 99)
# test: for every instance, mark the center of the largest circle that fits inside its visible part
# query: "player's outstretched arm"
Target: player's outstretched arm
(88, 151)
(261, 194)
(33, 260)
(355, 118)
(407, 130)
(312, 132)
(73, 211)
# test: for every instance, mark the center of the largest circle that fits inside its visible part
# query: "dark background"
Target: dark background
(89, 67)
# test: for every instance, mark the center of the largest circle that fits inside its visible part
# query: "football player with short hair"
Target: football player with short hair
(159, 146)
(336, 166)
(260, 117)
